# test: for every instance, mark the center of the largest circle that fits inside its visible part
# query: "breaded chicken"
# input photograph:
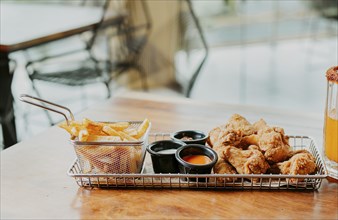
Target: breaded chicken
(302, 162)
(239, 123)
(274, 144)
(230, 137)
(232, 132)
(256, 148)
(249, 140)
(221, 157)
(250, 161)
(223, 167)
(214, 134)
(258, 125)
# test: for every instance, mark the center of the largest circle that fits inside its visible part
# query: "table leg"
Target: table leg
(7, 118)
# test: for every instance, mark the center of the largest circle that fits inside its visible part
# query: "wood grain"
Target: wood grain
(34, 183)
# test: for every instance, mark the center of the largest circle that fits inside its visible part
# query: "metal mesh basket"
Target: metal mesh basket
(104, 157)
(148, 179)
(112, 157)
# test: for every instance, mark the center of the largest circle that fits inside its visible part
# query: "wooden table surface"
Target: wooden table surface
(34, 183)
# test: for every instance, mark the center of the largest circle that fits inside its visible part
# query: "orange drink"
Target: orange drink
(331, 139)
(330, 148)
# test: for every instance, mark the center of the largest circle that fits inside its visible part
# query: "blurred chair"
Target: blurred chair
(133, 36)
(56, 67)
(6, 109)
(77, 66)
(326, 9)
(192, 37)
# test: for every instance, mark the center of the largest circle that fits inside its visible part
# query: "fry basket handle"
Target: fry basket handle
(33, 101)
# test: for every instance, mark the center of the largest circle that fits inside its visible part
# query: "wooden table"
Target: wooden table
(34, 183)
(28, 25)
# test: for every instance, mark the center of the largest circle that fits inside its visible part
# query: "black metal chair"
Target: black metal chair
(72, 73)
(193, 37)
(7, 120)
(77, 66)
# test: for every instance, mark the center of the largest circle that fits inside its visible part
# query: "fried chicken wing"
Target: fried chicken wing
(239, 123)
(250, 161)
(250, 140)
(221, 160)
(230, 137)
(222, 135)
(213, 138)
(223, 167)
(258, 125)
(274, 144)
(232, 132)
(302, 162)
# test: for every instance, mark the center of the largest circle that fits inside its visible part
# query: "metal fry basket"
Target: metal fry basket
(148, 179)
(101, 157)
(112, 157)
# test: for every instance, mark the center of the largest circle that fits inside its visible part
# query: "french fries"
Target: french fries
(119, 126)
(126, 136)
(83, 135)
(109, 131)
(89, 130)
(107, 158)
(142, 129)
(131, 131)
(93, 138)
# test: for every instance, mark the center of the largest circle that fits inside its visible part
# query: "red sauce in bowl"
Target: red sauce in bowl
(197, 159)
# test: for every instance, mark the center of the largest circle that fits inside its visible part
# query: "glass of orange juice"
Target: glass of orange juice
(331, 123)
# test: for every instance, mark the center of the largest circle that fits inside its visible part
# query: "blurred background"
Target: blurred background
(267, 53)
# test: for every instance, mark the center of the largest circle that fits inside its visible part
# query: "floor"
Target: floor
(289, 75)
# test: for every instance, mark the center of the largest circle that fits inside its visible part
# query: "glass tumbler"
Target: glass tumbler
(330, 148)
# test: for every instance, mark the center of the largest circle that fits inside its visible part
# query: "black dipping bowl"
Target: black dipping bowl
(189, 168)
(198, 137)
(164, 162)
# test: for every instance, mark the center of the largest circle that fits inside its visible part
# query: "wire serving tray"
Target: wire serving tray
(148, 179)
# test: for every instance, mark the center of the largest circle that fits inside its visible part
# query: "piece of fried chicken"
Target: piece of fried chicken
(274, 144)
(232, 132)
(258, 125)
(302, 162)
(250, 161)
(238, 122)
(213, 135)
(224, 136)
(222, 166)
(272, 141)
